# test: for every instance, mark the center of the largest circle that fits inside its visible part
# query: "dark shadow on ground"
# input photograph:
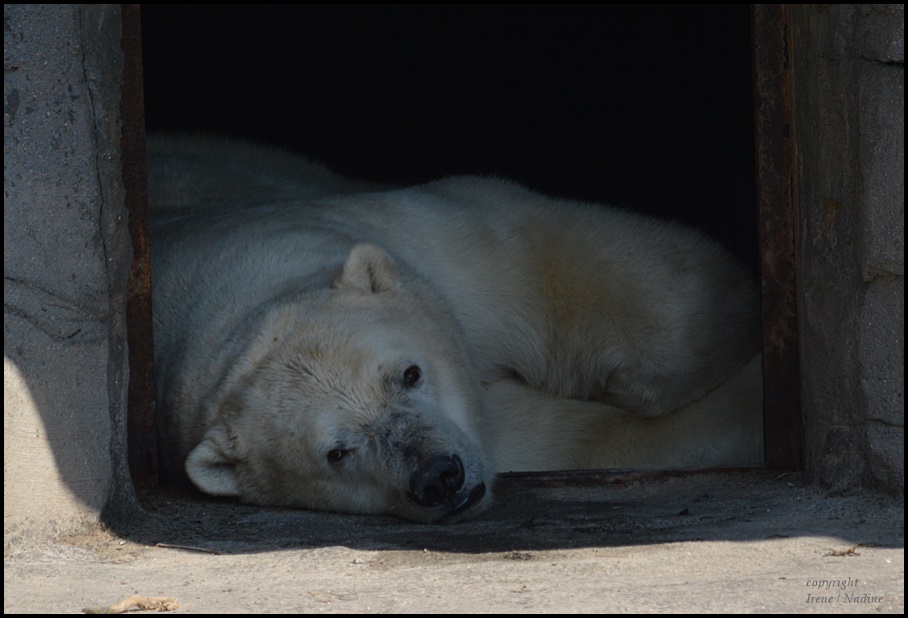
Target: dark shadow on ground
(547, 512)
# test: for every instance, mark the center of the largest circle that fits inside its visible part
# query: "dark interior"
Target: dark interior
(646, 106)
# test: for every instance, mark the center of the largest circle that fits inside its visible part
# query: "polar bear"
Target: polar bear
(333, 345)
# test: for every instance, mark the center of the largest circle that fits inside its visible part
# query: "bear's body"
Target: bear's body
(328, 344)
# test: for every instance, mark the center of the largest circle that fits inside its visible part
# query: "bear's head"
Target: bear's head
(360, 398)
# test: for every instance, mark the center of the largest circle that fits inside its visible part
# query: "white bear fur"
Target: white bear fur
(290, 303)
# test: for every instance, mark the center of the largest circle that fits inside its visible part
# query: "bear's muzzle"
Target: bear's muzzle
(440, 482)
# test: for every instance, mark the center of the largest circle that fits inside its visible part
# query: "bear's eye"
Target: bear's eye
(337, 454)
(412, 374)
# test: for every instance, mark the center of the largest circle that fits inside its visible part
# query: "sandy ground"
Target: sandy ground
(741, 541)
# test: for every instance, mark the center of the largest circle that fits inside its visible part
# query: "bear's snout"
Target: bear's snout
(437, 481)
(440, 481)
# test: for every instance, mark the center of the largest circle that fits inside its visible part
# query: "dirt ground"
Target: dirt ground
(739, 541)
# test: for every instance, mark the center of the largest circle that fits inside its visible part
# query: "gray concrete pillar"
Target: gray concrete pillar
(849, 94)
(66, 261)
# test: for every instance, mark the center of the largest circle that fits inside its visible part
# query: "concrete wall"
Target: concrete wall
(66, 260)
(67, 254)
(849, 101)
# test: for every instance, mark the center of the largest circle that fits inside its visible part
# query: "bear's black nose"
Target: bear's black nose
(437, 481)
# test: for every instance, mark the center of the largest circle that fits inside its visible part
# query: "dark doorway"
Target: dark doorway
(645, 106)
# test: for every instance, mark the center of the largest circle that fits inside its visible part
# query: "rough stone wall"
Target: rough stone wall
(849, 97)
(66, 260)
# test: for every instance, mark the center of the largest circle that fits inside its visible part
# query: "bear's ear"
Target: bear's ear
(211, 468)
(368, 268)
